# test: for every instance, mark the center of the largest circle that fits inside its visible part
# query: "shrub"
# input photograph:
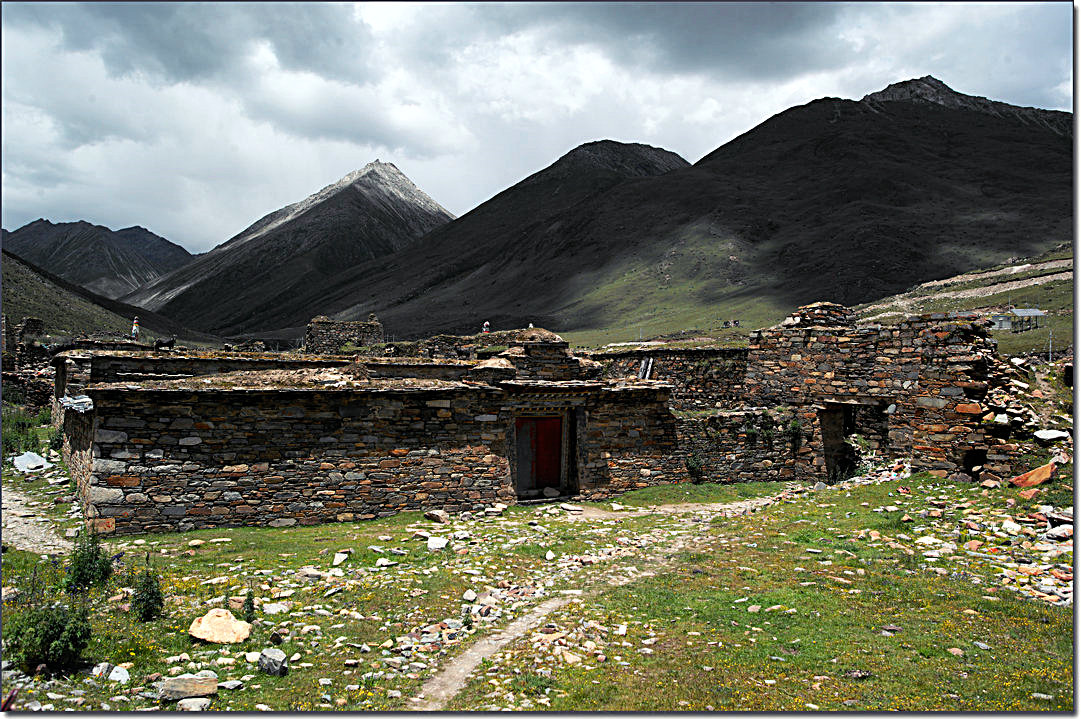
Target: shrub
(56, 440)
(54, 636)
(88, 565)
(249, 607)
(44, 416)
(147, 602)
(694, 467)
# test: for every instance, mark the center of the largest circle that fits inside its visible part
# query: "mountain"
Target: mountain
(369, 213)
(68, 309)
(932, 90)
(455, 267)
(835, 200)
(107, 262)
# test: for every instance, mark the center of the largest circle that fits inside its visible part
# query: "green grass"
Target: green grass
(710, 653)
(689, 602)
(698, 493)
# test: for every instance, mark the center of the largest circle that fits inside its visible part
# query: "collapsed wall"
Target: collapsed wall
(326, 336)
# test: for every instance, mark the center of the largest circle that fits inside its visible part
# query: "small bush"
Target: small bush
(147, 602)
(44, 416)
(54, 636)
(88, 565)
(249, 607)
(56, 440)
(694, 467)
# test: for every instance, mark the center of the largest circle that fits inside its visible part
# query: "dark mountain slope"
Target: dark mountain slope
(833, 200)
(68, 309)
(448, 279)
(107, 262)
(259, 272)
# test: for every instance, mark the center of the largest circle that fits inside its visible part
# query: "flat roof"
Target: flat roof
(1029, 313)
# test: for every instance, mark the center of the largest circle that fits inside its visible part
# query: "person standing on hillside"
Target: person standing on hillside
(135, 328)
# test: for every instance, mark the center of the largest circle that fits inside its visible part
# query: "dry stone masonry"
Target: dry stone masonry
(326, 336)
(178, 441)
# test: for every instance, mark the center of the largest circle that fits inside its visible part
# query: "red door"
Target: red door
(540, 452)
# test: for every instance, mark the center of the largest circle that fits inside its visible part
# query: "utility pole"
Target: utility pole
(1050, 332)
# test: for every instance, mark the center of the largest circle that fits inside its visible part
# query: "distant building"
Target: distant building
(1001, 322)
(1025, 320)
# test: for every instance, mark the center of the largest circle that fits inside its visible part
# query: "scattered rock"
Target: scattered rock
(274, 662)
(185, 686)
(194, 704)
(956, 651)
(220, 627)
(437, 515)
(550, 492)
(1050, 436)
(1035, 476)
(437, 543)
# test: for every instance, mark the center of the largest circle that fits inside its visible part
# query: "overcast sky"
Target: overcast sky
(194, 120)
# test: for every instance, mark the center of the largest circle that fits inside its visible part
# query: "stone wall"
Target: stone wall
(78, 454)
(629, 442)
(913, 389)
(701, 377)
(144, 365)
(445, 369)
(549, 360)
(167, 460)
(753, 444)
(326, 336)
(36, 391)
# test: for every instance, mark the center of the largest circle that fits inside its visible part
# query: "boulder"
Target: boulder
(550, 492)
(1050, 436)
(220, 627)
(185, 686)
(274, 662)
(1034, 477)
(194, 704)
(437, 515)
(436, 543)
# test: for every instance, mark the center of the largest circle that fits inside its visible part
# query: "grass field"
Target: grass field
(821, 614)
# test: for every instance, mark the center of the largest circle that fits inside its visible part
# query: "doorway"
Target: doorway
(539, 454)
(838, 422)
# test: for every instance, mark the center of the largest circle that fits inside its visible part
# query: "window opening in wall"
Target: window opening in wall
(972, 459)
(539, 455)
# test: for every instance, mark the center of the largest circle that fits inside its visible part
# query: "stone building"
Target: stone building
(172, 441)
(326, 336)
(180, 442)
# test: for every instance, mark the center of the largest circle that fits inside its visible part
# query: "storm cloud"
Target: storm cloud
(195, 119)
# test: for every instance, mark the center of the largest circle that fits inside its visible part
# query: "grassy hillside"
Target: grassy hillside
(1045, 282)
(69, 310)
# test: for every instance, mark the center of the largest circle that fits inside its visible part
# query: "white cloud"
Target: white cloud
(196, 119)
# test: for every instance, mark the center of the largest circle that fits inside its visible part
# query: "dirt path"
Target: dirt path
(905, 301)
(1016, 269)
(441, 688)
(26, 528)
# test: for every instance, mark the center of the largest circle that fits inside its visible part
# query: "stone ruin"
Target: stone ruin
(326, 336)
(191, 440)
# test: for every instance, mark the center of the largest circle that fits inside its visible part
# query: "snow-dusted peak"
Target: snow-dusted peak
(379, 177)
